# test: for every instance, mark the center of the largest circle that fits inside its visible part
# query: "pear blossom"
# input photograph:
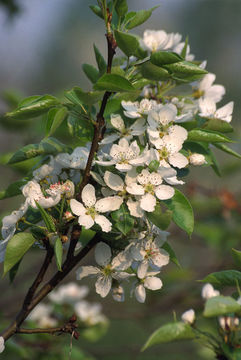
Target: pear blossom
(89, 313)
(178, 49)
(2, 344)
(148, 186)
(117, 122)
(149, 253)
(41, 314)
(90, 214)
(118, 293)
(208, 291)
(69, 293)
(159, 40)
(124, 156)
(206, 89)
(150, 282)
(197, 159)
(137, 109)
(228, 323)
(188, 316)
(76, 160)
(108, 269)
(32, 191)
(208, 109)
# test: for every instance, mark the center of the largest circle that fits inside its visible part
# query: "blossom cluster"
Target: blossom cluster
(137, 166)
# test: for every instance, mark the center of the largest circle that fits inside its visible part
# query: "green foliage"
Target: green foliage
(224, 278)
(226, 149)
(127, 43)
(48, 220)
(161, 58)
(101, 63)
(12, 190)
(171, 253)
(237, 257)
(58, 251)
(81, 97)
(97, 11)
(91, 72)
(113, 83)
(218, 125)
(153, 72)
(33, 106)
(135, 19)
(185, 68)
(123, 220)
(17, 246)
(207, 136)
(159, 218)
(169, 333)
(121, 7)
(182, 211)
(55, 118)
(220, 305)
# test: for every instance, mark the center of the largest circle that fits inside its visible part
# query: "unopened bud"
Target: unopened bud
(188, 316)
(208, 292)
(197, 159)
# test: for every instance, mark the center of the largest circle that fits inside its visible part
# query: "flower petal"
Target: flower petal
(114, 181)
(148, 202)
(140, 293)
(135, 189)
(117, 122)
(153, 283)
(110, 203)
(103, 285)
(142, 269)
(161, 258)
(134, 208)
(84, 271)
(104, 223)
(88, 195)
(77, 208)
(178, 160)
(164, 192)
(102, 254)
(86, 221)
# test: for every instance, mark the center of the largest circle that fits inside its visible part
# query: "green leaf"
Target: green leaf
(121, 7)
(91, 72)
(13, 271)
(86, 235)
(102, 66)
(33, 106)
(226, 149)
(237, 257)
(218, 125)
(17, 246)
(170, 332)
(13, 189)
(58, 250)
(126, 42)
(224, 278)
(154, 165)
(85, 98)
(153, 72)
(97, 11)
(139, 18)
(159, 218)
(171, 253)
(112, 106)
(215, 164)
(185, 68)
(207, 136)
(184, 50)
(55, 118)
(81, 129)
(182, 211)
(124, 221)
(48, 146)
(220, 305)
(113, 83)
(46, 218)
(160, 58)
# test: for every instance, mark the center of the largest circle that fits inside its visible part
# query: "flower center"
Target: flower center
(91, 211)
(197, 94)
(107, 271)
(164, 153)
(149, 188)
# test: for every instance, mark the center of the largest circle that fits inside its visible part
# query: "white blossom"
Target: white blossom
(108, 269)
(159, 40)
(89, 313)
(197, 159)
(208, 291)
(138, 109)
(178, 49)
(41, 315)
(206, 89)
(208, 109)
(118, 293)
(2, 344)
(150, 282)
(188, 316)
(89, 214)
(69, 293)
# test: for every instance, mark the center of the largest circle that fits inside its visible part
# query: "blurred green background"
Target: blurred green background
(43, 45)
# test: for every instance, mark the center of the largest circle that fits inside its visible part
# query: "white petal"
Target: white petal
(86, 221)
(109, 139)
(134, 208)
(178, 160)
(50, 201)
(135, 189)
(167, 114)
(104, 223)
(142, 269)
(153, 283)
(207, 107)
(207, 82)
(114, 181)
(123, 167)
(102, 254)
(161, 258)
(110, 203)
(164, 192)
(2, 345)
(174, 181)
(188, 316)
(178, 132)
(77, 208)
(117, 122)
(88, 195)
(140, 293)
(148, 202)
(138, 127)
(216, 92)
(118, 293)
(225, 112)
(103, 285)
(84, 271)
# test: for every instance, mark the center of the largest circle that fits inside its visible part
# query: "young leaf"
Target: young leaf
(17, 246)
(226, 149)
(186, 68)
(33, 106)
(218, 125)
(182, 211)
(237, 257)
(159, 218)
(121, 7)
(153, 72)
(97, 11)
(86, 98)
(220, 305)
(224, 278)
(91, 72)
(55, 118)
(46, 218)
(170, 332)
(13, 189)
(58, 250)
(113, 83)
(124, 221)
(126, 42)
(102, 66)
(160, 58)
(207, 136)
(139, 18)
(171, 253)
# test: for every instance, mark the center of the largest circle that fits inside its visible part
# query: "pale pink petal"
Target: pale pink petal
(216, 92)
(225, 112)
(207, 82)
(161, 258)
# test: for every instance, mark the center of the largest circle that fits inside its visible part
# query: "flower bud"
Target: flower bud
(188, 316)
(118, 293)
(197, 159)
(208, 292)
